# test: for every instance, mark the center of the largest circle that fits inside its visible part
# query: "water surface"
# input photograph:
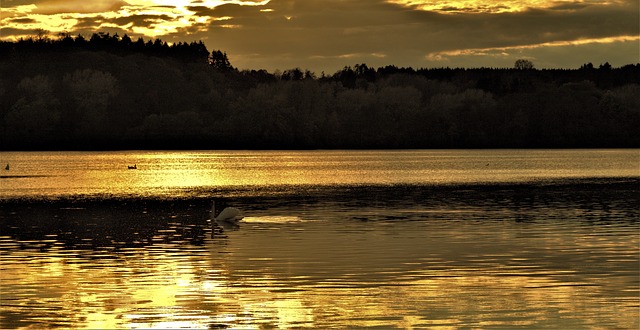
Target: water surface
(171, 174)
(330, 239)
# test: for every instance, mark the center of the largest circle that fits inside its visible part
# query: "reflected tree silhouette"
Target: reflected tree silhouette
(110, 224)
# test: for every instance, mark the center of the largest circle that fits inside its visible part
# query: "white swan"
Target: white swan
(228, 218)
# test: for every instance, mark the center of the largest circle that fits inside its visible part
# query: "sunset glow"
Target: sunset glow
(320, 164)
(327, 35)
(486, 6)
(506, 51)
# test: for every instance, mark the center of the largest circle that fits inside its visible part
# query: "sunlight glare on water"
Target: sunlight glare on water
(172, 172)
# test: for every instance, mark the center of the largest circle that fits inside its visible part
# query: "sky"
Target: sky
(326, 35)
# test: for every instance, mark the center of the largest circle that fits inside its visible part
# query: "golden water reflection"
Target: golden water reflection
(318, 274)
(404, 239)
(172, 172)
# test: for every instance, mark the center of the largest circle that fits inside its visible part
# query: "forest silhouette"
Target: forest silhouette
(111, 92)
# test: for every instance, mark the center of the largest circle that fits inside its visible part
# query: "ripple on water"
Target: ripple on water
(397, 257)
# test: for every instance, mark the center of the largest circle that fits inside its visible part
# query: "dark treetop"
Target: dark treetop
(111, 92)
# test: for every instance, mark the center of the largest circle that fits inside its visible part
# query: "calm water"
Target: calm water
(330, 239)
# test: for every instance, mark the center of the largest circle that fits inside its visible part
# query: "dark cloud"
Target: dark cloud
(23, 20)
(88, 23)
(7, 31)
(569, 6)
(16, 3)
(139, 20)
(219, 11)
(325, 33)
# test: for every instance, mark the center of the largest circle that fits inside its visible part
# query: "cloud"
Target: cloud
(575, 5)
(325, 35)
(48, 7)
(319, 32)
(93, 23)
(498, 6)
(23, 20)
(519, 49)
(4, 31)
(552, 55)
(15, 3)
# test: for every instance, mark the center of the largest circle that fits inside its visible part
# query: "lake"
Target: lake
(441, 239)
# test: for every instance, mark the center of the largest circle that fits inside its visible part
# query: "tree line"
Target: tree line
(110, 92)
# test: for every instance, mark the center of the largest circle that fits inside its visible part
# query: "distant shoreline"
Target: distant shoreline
(365, 192)
(310, 149)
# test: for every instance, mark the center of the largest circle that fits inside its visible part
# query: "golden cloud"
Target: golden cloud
(507, 51)
(77, 6)
(491, 6)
